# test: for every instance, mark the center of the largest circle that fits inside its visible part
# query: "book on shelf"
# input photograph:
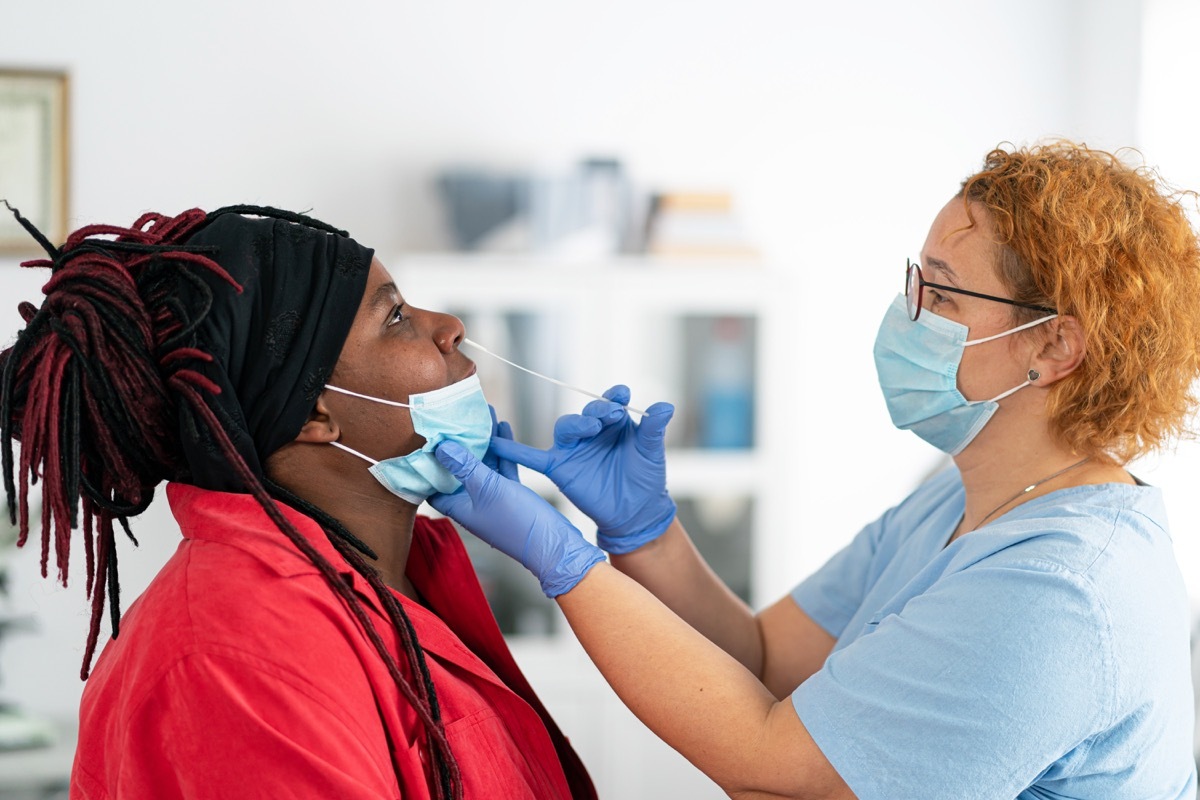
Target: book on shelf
(696, 225)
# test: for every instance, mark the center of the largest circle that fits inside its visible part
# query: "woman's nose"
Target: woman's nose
(448, 331)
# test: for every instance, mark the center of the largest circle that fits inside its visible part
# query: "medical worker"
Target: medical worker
(1018, 626)
(312, 636)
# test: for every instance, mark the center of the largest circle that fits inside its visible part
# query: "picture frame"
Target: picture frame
(33, 156)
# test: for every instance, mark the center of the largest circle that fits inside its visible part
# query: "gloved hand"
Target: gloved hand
(613, 469)
(515, 520)
(503, 431)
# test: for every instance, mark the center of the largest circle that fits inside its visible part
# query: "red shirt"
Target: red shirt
(239, 673)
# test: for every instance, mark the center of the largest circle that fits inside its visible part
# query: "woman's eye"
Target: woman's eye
(397, 315)
(937, 298)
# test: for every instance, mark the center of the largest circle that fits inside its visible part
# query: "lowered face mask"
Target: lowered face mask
(458, 412)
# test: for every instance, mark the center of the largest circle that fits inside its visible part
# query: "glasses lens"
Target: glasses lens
(912, 291)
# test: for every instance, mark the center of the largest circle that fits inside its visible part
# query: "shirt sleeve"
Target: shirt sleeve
(231, 726)
(832, 595)
(971, 690)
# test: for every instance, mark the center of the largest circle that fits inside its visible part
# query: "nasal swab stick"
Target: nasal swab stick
(478, 346)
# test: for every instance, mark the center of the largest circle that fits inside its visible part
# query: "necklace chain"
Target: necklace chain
(1029, 489)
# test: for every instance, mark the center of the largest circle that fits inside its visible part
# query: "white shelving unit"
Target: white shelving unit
(615, 321)
(623, 320)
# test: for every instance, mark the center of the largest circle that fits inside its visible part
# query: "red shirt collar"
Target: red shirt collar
(438, 567)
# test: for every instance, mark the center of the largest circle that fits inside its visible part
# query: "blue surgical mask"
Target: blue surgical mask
(918, 363)
(458, 412)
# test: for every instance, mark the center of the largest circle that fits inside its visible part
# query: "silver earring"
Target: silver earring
(1033, 375)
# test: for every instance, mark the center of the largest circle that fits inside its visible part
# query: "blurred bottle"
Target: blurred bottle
(726, 386)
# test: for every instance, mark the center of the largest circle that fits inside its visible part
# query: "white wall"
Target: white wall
(1168, 120)
(841, 127)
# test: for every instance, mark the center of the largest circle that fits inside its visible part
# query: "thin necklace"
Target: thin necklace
(1025, 491)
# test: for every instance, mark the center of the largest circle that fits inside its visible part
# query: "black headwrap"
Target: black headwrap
(273, 345)
(223, 327)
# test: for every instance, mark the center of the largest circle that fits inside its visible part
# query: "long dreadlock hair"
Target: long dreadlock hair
(92, 388)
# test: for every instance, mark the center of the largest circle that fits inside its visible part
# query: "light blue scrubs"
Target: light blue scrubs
(1045, 655)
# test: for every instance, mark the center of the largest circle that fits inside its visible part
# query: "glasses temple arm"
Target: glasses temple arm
(956, 290)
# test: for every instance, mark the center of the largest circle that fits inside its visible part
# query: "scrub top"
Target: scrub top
(1043, 655)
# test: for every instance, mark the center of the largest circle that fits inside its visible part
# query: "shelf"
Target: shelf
(668, 329)
(690, 472)
(693, 471)
(44, 770)
(492, 282)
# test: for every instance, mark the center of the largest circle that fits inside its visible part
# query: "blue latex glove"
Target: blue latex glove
(501, 430)
(515, 520)
(612, 469)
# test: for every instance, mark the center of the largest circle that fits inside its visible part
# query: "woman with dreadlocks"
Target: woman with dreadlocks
(312, 636)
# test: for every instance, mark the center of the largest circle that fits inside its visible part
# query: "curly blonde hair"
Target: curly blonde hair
(1110, 244)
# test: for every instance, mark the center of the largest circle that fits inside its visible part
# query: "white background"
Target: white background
(841, 129)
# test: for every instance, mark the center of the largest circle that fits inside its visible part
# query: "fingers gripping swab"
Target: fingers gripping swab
(480, 347)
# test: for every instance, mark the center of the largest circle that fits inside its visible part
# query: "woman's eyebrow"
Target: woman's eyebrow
(384, 297)
(944, 268)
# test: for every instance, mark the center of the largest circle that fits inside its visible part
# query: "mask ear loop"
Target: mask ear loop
(1003, 395)
(351, 450)
(368, 397)
(584, 392)
(1001, 335)
(1010, 331)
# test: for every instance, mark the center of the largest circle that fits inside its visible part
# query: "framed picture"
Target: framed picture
(33, 156)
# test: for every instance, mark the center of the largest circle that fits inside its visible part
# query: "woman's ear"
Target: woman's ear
(320, 428)
(1061, 352)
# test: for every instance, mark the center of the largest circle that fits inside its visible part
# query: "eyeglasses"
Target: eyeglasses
(914, 290)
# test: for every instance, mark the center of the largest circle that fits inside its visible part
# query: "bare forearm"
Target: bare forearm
(673, 570)
(693, 695)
